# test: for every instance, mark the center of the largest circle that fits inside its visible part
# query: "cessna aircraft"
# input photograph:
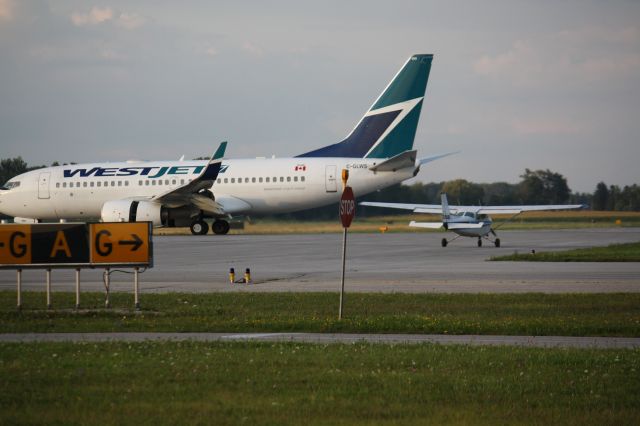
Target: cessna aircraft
(467, 221)
(378, 153)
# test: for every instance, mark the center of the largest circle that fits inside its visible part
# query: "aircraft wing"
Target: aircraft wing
(416, 208)
(519, 209)
(191, 192)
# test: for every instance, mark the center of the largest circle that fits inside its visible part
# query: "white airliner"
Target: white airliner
(467, 221)
(378, 153)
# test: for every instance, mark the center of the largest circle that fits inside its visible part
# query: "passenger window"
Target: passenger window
(267, 180)
(253, 180)
(77, 184)
(219, 180)
(139, 183)
(64, 184)
(57, 184)
(226, 180)
(173, 182)
(246, 180)
(84, 184)
(260, 180)
(281, 179)
(99, 183)
(119, 183)
(91, 184)
(146, 182)
(295, 178)
(301, 178)
(113, 183)
(288, 178)
(181, 181)
(153, 182)
(233, 180)
(126, 183)
(166, 182)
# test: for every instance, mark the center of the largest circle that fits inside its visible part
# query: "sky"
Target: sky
(514, 84)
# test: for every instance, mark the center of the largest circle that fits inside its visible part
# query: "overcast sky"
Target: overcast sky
(514, 84)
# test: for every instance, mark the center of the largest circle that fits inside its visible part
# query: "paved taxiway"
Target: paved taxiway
(325, 338)
(412, 262)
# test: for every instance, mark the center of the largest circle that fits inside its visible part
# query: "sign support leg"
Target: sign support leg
(19, 283)
(344, 256)
(48, 288)
(78, 288)
(136, 289)
(107, 285)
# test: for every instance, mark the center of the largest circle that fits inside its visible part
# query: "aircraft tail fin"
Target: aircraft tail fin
(446, 213)
(389, 127)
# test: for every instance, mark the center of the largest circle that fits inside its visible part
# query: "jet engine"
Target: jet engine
(134, 211)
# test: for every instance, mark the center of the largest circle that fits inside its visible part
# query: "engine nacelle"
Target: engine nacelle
(134, 211)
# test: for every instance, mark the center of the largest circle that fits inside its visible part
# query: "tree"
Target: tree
(461, 191)
(543, 187)
(10, 167)
(600, 197)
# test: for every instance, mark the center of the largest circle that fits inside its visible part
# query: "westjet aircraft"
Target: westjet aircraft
(378, 153)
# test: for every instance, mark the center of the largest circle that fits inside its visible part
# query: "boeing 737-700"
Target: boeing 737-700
(378, 153)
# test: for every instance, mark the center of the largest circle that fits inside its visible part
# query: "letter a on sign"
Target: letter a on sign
(60, 244)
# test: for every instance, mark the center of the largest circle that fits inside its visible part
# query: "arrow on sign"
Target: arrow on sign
(136, 242)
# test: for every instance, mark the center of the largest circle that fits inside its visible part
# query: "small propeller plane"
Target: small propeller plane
(468, 221)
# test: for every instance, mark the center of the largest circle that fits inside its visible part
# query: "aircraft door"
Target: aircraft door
(43, 185)
(330, 179)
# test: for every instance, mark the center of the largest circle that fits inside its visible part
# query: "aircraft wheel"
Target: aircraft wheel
(479, 242)
(497, 242)
(199, 227)
(444, 242)
(220, 227)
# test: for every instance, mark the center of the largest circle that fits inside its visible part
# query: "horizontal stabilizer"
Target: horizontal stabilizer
(400, 161)
(435, 157)
(454, 226)
(431, 225)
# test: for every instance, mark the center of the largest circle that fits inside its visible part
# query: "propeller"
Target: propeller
(493, 232)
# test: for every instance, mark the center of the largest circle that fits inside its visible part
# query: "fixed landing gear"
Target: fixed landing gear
(444, 242)
(199, 227)
(497, 242)
(220, 227)
(479, 242)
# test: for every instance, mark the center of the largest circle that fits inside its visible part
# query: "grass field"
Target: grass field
(509, 314)
(285, 383)
(530, 220)
(612, 253)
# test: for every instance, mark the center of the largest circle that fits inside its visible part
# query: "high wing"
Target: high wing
(416, 208)
(194, 192)
(437, 208)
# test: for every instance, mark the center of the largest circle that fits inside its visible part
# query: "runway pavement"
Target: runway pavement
(326, 338)
(411, 262)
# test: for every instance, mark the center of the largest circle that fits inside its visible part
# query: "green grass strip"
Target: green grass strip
(508, 314)
(286, 383)
(629, 252)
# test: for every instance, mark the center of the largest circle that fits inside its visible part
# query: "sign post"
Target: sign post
(347, 212)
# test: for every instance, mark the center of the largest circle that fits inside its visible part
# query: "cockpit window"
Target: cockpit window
(469, 214)
(11, 184)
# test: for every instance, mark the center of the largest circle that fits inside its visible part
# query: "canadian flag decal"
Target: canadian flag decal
(300, 168)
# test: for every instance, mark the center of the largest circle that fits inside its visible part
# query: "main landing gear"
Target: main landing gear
(199, 227)
(219, 227)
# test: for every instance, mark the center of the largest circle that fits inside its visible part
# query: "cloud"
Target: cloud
(95, 16)
(252, 49)
(6, 10)
(99, 15)
(584, 55)
(545, 127)
(130, 21)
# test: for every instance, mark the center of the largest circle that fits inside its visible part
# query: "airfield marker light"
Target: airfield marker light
(247, 276)
(232, 275)
(77, 288)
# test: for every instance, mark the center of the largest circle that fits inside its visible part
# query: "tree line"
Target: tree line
(535, 187)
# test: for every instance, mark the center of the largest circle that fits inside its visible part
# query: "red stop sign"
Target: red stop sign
(347, 207)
